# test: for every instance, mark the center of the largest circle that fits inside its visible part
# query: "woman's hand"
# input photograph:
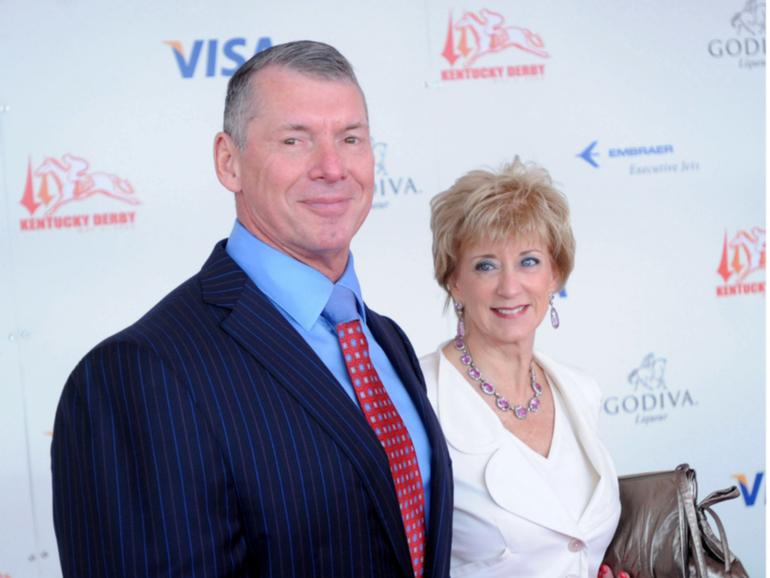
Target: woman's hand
(606, 572)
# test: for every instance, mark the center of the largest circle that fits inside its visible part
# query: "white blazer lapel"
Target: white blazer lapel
(524, 492)
(463, 414)
(581, 397)
(471, 427)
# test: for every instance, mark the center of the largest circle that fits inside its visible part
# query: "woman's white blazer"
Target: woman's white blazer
(508, 521)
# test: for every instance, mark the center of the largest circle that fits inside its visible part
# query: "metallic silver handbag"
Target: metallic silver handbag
(664, 532)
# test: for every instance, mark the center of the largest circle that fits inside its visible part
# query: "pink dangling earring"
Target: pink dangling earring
(554, 314)
(460, 322)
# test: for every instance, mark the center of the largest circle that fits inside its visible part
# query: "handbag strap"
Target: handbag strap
(720, 546)
(720, 496)
(722, 536)
(688, 491)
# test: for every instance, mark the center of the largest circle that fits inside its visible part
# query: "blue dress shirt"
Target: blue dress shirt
(300, 293)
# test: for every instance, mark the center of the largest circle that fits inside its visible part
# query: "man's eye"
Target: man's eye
(290, 141)
(352, 140)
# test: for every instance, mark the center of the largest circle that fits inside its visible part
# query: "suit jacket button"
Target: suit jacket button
(575, 545)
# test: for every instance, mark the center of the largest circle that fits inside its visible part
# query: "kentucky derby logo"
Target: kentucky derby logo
(652, 400)
(747, 43)
(388, 186)
(743, 256)
(56, 183)
(476, 35)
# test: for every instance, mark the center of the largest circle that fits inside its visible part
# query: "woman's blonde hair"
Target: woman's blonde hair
(517, 202)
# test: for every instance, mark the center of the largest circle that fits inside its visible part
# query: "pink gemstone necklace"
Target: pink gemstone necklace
(520, 411)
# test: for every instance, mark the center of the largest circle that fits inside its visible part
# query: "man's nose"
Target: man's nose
(328, 163)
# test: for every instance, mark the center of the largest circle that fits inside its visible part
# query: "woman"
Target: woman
(536, 492)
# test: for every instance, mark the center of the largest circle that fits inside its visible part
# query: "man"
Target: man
(224, 433)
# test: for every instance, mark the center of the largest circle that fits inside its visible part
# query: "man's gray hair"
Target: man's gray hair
(304, 56)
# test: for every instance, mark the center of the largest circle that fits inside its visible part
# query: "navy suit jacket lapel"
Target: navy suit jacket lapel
(262, 331)
(405, 363)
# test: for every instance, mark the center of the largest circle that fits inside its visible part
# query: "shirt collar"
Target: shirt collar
(299, 290)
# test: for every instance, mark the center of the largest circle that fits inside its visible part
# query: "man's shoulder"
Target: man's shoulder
(173, 314)
(201, 300)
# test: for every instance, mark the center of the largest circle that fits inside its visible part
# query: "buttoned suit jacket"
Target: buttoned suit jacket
(495, 488)
(209, 440)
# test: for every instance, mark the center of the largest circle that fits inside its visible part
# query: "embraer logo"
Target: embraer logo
(588, 155)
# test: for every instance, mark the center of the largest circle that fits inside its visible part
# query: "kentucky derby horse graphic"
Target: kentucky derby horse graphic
(73, 183)
(485, 32)
(748, 254)
(751, 246)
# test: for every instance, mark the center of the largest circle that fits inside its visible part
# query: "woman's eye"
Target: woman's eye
(484, 266)
(530, 261)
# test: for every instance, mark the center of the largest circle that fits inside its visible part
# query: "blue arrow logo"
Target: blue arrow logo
(588, 155)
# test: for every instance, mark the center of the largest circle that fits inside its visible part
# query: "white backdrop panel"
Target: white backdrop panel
(101, 81)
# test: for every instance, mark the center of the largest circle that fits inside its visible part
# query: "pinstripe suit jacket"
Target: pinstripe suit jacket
(208, 440)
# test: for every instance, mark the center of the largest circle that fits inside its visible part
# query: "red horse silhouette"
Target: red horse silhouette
(750, 246)
(485, 32)
(75, 183)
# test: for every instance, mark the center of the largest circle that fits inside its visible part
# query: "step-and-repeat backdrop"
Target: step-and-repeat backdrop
(649, 116)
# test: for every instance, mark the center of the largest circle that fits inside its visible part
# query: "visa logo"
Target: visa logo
(750, 490)
(206, 54)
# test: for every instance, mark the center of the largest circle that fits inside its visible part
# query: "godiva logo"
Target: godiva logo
(389, 185)
(652, 400)
(746, 44)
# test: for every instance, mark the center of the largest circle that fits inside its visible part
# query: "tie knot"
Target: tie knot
(341, 306)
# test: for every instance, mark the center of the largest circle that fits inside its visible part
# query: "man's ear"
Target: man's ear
(227, 162)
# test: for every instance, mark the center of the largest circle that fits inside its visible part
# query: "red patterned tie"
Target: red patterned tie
(393, 435)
